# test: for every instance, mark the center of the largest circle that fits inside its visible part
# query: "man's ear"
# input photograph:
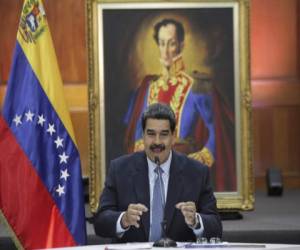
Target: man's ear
(181, 46)
(173, 138)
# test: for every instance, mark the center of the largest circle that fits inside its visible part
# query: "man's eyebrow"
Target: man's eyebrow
(150, 130)
(162, 131)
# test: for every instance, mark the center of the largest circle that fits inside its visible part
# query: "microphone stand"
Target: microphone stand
(164, 241)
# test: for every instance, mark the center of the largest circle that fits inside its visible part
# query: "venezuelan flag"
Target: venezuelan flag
(41, 194)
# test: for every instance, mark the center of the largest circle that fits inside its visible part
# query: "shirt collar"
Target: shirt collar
(165, 166)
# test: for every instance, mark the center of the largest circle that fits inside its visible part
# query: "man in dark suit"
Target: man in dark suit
(128, 205)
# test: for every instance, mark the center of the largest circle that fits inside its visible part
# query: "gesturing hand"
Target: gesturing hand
(133, 215)
(188, 210)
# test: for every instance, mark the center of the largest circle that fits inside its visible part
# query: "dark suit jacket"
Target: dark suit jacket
(127, 182)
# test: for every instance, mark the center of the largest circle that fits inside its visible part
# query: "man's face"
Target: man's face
(168, 44)
(158, 139)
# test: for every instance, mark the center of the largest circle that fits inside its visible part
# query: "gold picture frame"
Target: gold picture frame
(111, 24)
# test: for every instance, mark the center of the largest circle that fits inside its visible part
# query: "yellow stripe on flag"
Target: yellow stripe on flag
(38, 47)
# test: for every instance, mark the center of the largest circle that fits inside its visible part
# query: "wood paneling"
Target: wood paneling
(66, 20)
(276, 139)
(275, 92)
(276, 89)
(81, 129)
(274, 40)
(67, 24)
(10, 14)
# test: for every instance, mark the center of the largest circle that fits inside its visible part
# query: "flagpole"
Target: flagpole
(11, 232)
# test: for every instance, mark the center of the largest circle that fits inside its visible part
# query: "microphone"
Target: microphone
(164, 241)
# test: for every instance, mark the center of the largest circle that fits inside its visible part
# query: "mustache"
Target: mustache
(157, 146)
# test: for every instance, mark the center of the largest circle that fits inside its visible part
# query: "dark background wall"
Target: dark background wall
(275, 78)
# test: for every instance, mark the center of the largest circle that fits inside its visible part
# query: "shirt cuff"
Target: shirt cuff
(199, 230)
(119, 229)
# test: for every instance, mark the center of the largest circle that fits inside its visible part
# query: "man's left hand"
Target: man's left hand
(188, 210)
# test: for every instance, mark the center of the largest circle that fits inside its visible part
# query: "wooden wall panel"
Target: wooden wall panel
(66, 20)
(275, 92)
(276, 89)
(276, 137)
(67, 23)
(10, 14)
(274, 38)
(81, 129)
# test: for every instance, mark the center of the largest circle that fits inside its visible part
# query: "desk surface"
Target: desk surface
(229, 246)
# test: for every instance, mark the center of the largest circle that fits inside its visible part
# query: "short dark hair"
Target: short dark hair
(159, 111)
(165, 22)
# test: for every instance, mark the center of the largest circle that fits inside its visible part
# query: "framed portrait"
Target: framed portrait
(191, 55)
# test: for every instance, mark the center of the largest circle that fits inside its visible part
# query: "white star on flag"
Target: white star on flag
(29, 116)
(41, 120)
(17, 120)
(63, 157)
(60, 190)
(59, 142)
(51, 129)
(64, 174)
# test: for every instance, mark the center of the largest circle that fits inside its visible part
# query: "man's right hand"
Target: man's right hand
(133, 215)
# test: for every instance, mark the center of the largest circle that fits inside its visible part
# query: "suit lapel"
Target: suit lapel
(175, 188)
(141, 186)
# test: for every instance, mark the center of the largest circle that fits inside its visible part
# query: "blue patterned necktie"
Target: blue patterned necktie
(158, 203)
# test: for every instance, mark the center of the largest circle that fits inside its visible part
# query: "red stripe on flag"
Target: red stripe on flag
(24, 200)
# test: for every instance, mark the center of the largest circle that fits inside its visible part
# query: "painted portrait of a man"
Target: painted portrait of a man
(183, 58)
